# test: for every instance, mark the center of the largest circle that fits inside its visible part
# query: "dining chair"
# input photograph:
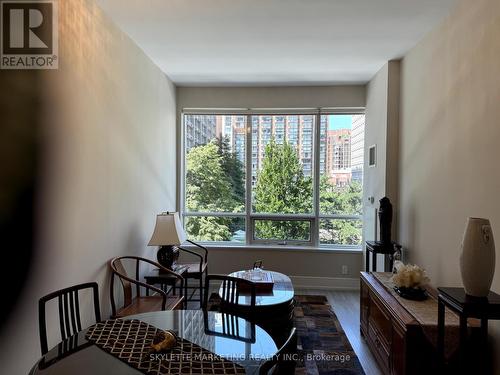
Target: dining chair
(230, 328)
(196, 270)
(141, 303)
(279, 364)
(230, 291)
(69, 311)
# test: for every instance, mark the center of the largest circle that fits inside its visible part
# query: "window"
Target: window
(288, 179)
(215, 159)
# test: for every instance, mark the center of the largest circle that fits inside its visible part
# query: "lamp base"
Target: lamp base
(167, 256)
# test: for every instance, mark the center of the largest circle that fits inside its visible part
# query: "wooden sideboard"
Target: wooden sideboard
(395, 338)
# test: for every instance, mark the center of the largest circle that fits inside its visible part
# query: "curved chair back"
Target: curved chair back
(69, 311)
(117, 269)
(276, 363)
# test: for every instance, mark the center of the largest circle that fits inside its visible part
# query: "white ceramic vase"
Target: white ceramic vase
(477, 261)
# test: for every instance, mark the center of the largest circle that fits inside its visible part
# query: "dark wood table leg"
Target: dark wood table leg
(463, 341)
(440, 343)
(374, 262)
(367, 260)
(485, 367)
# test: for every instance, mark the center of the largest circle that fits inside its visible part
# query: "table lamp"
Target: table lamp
(168, 234)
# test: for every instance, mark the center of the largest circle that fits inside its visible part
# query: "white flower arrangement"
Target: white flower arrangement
(409, 276)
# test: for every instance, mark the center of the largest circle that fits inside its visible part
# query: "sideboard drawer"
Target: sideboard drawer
(381, 351)
(364, 303)
(381, 320)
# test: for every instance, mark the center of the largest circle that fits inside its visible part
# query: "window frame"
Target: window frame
(250, 218)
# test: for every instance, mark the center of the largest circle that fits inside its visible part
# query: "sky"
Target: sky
(340, 122)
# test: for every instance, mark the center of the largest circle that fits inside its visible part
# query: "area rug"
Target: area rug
(323, 347)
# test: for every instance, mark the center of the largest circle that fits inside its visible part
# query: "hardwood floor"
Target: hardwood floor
(346, 307)
(345, 304)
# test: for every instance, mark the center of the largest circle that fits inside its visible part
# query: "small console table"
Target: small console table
(467, 307)
(377, 247)
(166, 279)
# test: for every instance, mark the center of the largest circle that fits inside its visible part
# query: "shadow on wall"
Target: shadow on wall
(20, 151)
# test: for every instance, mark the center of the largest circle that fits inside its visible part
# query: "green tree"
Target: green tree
(233, 168)
(215, 182)
(209, 189)
(340, 200)
(208, 228)
(282, 188)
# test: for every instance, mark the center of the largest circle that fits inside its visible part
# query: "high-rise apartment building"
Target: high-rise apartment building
(338, 156)
(297, 130)
(357, 147)
(341, 150)
(199, 130)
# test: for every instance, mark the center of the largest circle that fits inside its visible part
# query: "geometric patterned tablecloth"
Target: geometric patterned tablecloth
(130, 341)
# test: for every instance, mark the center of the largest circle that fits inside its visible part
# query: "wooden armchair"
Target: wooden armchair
(141, 304)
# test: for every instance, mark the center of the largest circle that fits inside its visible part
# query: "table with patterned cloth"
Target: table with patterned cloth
(122, 346)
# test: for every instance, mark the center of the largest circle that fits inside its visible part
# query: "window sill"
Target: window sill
(285, 248)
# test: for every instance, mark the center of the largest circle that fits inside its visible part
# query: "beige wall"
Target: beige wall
(449, 141)
(381, 130)
(108, 166)
(271, 97)
(307, 268)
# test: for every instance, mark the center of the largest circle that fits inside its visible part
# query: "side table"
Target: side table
(166, 279)
(377, 247)
(467, 307)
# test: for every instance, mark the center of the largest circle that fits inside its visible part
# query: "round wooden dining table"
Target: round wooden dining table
(273, 309)
(227, 336)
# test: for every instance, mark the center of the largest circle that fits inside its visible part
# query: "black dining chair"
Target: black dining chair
(230, 328)
(69, 311)
(230, 291)
(279, 364)
(196, 270)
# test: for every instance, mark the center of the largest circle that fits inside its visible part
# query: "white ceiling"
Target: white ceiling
(274, 42)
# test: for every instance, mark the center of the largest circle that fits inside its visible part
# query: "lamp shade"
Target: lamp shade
(168, 230)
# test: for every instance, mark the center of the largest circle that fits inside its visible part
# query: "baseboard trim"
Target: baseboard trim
(328, 283)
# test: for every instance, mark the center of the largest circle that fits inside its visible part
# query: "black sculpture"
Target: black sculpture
(385, 218)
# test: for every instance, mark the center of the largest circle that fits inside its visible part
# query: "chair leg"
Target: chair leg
(201, 291)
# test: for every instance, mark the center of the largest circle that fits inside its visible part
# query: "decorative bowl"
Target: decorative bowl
(415, 294)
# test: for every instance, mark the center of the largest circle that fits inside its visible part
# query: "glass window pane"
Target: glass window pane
(215, 163)
(341, 164)
(211, 228)
(282, 230)
(282, 163)
(340, 231)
